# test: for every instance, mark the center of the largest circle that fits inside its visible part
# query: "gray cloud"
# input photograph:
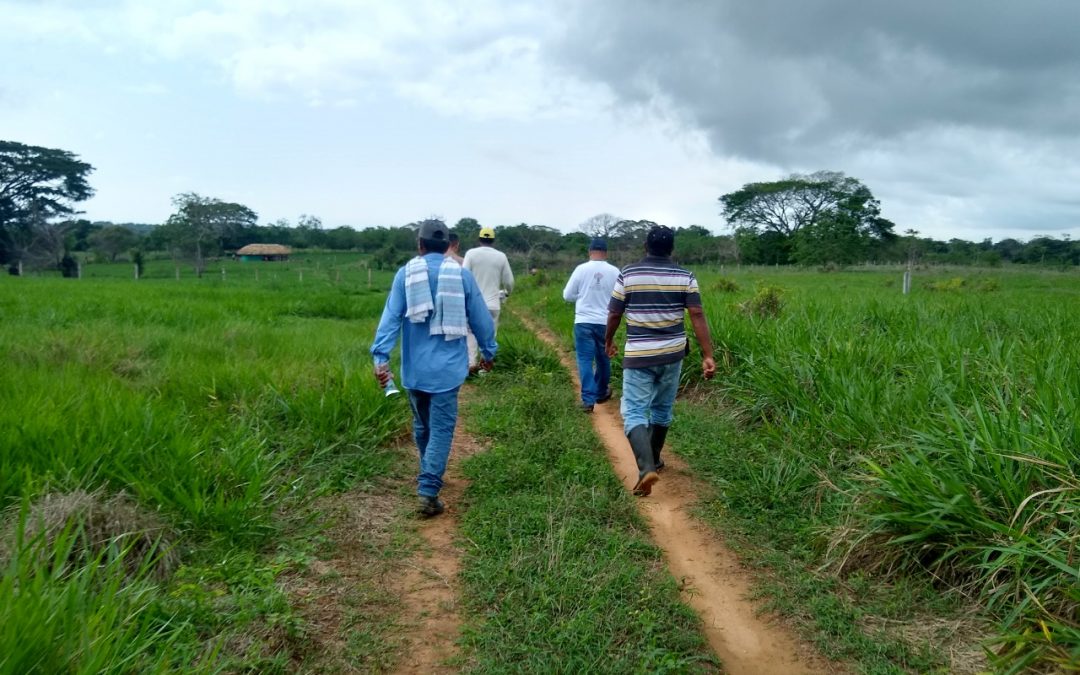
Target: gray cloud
(779, 80)
(950, 95)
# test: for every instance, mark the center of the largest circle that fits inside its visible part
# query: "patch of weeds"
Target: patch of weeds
(767, 302)
(724, 285)
(961, 284)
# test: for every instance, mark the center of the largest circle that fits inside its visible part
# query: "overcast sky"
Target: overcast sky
(962, 116)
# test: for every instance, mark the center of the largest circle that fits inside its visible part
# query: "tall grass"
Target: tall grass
(932, 435)
(214, 403)
(949, 422)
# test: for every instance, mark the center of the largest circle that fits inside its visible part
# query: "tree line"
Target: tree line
(819, 219)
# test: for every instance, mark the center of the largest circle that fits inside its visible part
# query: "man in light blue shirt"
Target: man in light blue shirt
(434, 364)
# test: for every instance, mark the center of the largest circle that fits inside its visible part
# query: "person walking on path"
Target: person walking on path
(654, 294)
(454, 250)
(589, 288)
(492, 271)
(432, 303)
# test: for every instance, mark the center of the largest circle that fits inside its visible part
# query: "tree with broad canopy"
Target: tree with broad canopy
(201, 224)
(37, 185)
(807, 218)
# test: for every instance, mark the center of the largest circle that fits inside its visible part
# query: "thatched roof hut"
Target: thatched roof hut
(264, 252)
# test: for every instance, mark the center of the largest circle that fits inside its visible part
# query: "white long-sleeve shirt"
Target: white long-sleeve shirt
(492, 272)
(589, 288)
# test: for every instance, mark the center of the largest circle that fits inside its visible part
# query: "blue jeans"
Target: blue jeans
(648, 395)
(434, 418)
(589, 345)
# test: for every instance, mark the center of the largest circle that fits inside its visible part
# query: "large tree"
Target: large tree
(818, 217)
(601, 225)
(536, 243)
(37, 186)
(201, 224)
(112, 240)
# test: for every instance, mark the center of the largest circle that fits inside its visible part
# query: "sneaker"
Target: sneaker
(645, 483)
(606, 397)
(430, 506)
(585, 407)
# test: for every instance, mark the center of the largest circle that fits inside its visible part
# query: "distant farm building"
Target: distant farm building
(269, 252)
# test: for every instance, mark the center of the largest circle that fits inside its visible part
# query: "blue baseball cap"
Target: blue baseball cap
(598, 244)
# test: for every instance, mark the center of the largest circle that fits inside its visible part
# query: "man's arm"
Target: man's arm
(616, 309)
(701, 330)
(386, 334)
(507, 276)
(613, 320)
(480, 322)
(573, 287)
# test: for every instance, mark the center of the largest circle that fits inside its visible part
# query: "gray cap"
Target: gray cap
(433, 228)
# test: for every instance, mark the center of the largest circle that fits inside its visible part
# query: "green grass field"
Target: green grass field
(221, 409)
(901, 469)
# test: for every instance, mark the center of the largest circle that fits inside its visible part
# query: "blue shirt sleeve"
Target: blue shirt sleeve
(386, 334)
(480, 322)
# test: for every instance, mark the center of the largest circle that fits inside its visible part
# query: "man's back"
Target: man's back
(590, 289)
(654, 294)
(492, 272)
(419, 349)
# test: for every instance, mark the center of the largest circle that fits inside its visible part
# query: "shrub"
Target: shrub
(768, 301)
(724, 285)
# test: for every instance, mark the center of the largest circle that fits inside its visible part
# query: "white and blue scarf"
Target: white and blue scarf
(449, 303)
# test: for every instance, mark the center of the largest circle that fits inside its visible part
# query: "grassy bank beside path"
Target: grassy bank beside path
(174, 438)
(904, 467)
(559, 574)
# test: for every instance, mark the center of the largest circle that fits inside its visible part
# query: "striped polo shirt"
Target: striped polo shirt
(654, 294)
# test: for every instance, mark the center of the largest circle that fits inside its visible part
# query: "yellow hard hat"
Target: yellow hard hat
(487, 233)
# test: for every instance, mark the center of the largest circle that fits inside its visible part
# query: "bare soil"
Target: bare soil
(430, 622)
(370, 612)
(349, 594)
(713, 580)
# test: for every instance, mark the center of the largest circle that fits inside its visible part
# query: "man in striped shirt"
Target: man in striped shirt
(654, 294)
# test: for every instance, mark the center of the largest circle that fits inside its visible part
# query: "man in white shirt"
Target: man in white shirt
(492, 272)
(589, 288)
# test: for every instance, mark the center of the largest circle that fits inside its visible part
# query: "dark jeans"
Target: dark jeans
(594, 366)
(434, 419)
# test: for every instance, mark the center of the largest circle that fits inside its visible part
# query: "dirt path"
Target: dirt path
(430, 622)
(713, 580)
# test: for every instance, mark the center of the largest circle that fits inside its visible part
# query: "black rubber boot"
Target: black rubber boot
(659, 435)
(430, 506)
(641, 444)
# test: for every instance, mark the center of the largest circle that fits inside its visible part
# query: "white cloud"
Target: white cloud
(960, 115)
